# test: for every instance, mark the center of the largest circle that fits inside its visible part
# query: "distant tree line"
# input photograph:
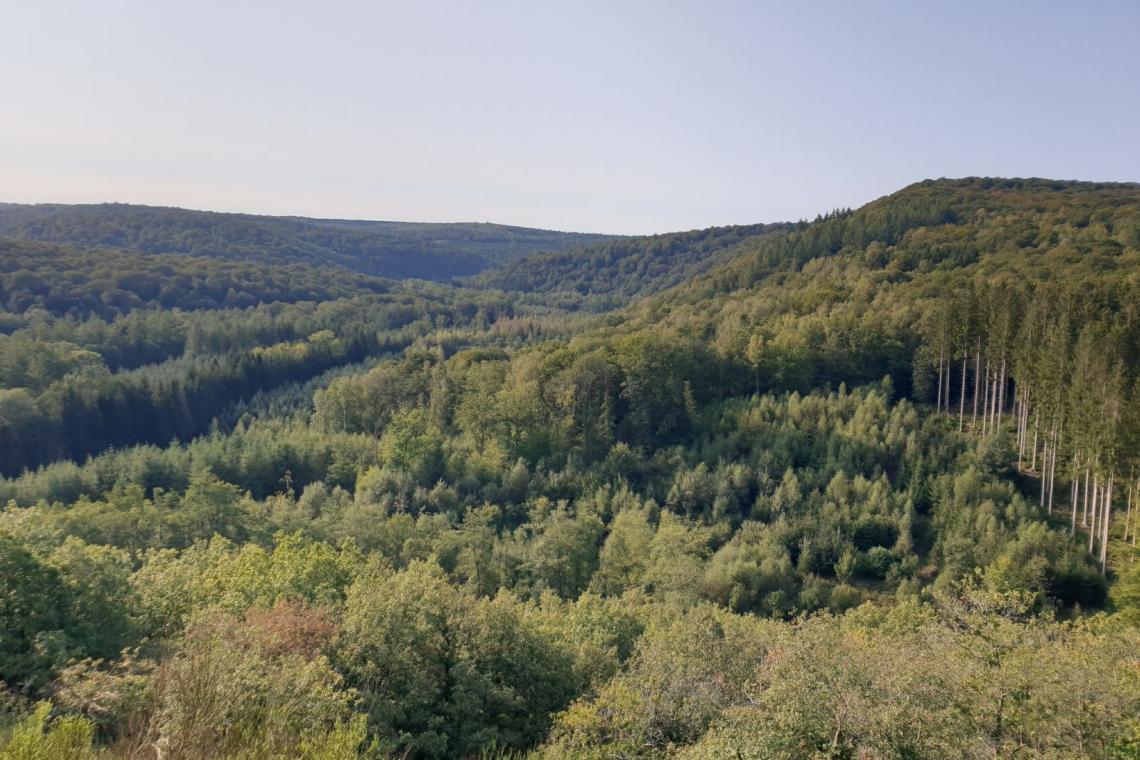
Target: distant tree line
(386, 249)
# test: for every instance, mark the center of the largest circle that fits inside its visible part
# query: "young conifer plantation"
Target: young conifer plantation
(861, 487)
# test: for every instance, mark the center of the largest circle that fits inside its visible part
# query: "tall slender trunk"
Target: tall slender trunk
(962, 395)
(1001, 390)
(949, 364)
(994, 402)
(1025, 433)
(1020, 431)
(1085, 513)
(1024, 424)
(1092, 528)
(986, 399)
(1128, 515)
(1053, 467)
(1075, 492)
(1107, 522)
(977, 379)
(938, 399)
(1036, 425)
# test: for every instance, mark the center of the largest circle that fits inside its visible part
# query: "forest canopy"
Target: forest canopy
(860, 487)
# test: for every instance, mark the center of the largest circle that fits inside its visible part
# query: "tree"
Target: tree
(34, 609)
(412, 444)
(562, 550)
(211, 507)
(624, 556)
(443, 674)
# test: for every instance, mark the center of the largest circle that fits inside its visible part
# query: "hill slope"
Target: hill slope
(417, 520)
(614, 272)
(390, 249)
(108, 282)
(847, 298)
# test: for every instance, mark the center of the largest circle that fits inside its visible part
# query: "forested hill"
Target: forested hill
(848, 298)
(63, 280)
(389, 249)
(865, 488)
(612, 273)
(1035, 227)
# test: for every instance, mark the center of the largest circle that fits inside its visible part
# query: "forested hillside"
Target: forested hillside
(102, 348)
(106, 283)
(387, 249)
(609, 275)
(864, 487)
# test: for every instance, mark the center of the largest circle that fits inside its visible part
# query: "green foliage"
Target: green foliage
(172, 587)
(40, 738)
(624, 557)
(411, 444)
(441, 674)
(257, 685)
(101, 613)
(608, 274)
(33, 609)
(967, 677)
(365, 518)
(752, 573)
(389, 249)
(682, 675)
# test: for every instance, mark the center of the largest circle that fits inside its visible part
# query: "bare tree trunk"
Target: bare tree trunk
(977, 379)
(962, 395)
(994, 402)
(986, 399)
(1076, 491)
(1001, 391)
(1085, 514)
(949, 364)
(1053, 468)
(1128, 515)
(938, 400)
(1092, 528)
(1020, 428)
(1025, 423)
(1019, 402)
(1036, 425)
(1026, 434)
(1106, 520)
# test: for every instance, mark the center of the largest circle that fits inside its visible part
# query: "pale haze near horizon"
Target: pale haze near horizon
(610, 117)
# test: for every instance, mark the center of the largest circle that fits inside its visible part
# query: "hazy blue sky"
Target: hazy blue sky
(608, 116)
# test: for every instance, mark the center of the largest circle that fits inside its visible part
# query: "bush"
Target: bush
(38, 737)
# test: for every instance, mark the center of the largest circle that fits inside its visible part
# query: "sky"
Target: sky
(616, 116)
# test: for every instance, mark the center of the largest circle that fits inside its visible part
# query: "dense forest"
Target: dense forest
(861, 487)
(386, 249)
(608, 275)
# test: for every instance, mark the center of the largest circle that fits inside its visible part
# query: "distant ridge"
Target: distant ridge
(430, 251)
